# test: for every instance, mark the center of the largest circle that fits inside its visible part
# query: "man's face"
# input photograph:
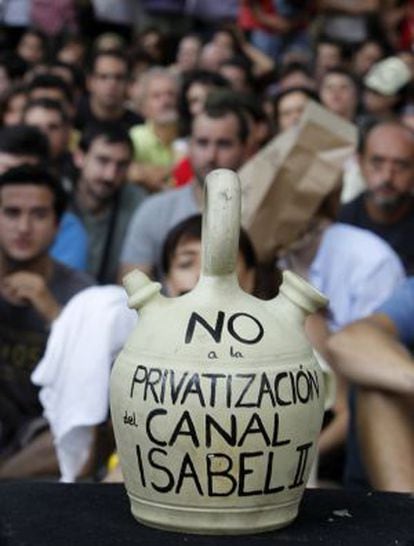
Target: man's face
(327, 56)
(338, 94)
(108, 83)
(387, 165)
(215, 143)
(104, 168)
(185, 268)
(160, 100)
(27, 221)
(50, 122)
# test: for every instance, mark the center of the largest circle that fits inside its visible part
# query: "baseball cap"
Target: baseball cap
(388, 77)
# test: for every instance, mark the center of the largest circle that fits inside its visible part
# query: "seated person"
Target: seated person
(33, 289)
(374, 353)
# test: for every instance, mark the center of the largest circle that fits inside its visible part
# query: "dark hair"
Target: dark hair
(139, 55)
(14, 65)
(111, 132)
(191, 77)
(78, 78)
(48, 104)
(244, 64)
(310, 93)
(190, 229)
(342, 72)
(38, 176)
(51, 81)
(221, 103)
(231, 30)
(293, 67)
(114, 53)
(24, 140)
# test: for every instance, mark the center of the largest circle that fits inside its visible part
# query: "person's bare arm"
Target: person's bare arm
(36, 459)
(368, 353)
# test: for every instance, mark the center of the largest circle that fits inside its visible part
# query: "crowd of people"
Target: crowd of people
(110, 121)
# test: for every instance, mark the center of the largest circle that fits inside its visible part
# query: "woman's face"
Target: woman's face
(290, 109)
(185, 269)
(196, 97)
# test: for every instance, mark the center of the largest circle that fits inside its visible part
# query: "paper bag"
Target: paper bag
(285, 182)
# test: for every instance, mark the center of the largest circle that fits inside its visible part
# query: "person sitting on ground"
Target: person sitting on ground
(33, 289)
(154, 140)
(218, 140)
(386, 207)
(376, 355)
(103, 199)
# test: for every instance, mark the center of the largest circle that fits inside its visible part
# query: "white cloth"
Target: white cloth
(356, 270)
(353, 182)
(74, 372)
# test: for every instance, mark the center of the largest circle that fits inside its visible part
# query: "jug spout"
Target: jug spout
(140, 289)
(298, 297)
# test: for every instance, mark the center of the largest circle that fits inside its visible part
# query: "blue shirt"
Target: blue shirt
(70, 246)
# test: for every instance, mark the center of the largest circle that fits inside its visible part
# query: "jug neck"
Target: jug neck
(299, 297)
(221, 223)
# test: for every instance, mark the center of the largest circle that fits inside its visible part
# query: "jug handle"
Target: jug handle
(221, 223)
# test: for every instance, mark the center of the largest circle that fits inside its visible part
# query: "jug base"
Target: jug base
(216, 521)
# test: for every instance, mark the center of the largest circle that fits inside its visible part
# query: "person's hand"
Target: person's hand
(26, 288)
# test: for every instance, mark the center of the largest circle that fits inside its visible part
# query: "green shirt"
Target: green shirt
(148, 148)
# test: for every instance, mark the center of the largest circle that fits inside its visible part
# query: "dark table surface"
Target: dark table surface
(33, 513)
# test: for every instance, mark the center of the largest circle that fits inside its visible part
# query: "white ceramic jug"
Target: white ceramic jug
(217, 399)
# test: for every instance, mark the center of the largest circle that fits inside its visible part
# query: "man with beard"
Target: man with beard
(387, 206)
(218, 140)
(33, 289)
(103, 199)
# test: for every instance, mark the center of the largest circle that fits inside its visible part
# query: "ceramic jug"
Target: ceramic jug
(217, 398)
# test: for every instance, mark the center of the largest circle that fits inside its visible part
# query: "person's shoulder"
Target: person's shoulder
(358, 242)
(67, 276)
(131, 195)
(167, 198)
(70, 219)
(139, 130)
